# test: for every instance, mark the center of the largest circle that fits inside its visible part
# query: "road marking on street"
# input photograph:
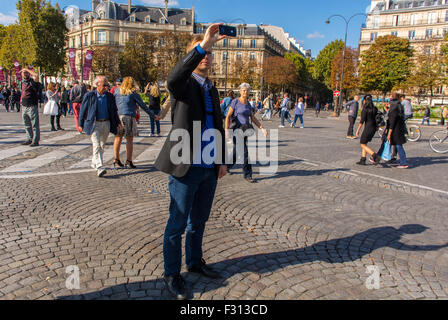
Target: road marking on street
(150, 155)
(45, 174)
(17, 150)
(32, 164)
(352, 172)
(108, 155)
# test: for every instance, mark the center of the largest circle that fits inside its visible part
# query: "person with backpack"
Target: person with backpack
(396, 129)
(242, 113)
(407, 108)
(226, 102)
(369, 120)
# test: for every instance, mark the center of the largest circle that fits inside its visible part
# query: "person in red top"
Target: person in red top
(117, 86)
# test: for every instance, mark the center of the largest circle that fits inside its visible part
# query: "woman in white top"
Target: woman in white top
(300, 108)
(52, 93)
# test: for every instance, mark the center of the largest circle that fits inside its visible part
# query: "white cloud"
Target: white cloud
(315, 35)
(9, 18)
(160, 3)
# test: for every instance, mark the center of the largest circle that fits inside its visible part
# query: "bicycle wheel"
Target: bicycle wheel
(414, 133)
(438, 141)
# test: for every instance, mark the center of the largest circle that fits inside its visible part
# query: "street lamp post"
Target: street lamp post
(343, 56)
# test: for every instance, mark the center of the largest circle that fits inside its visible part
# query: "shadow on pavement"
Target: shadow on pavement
(340, 250)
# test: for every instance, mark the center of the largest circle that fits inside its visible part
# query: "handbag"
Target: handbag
(51, 108)
(387, 151)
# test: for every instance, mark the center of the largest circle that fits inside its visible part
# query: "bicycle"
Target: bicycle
(438, 142)
(414, 132)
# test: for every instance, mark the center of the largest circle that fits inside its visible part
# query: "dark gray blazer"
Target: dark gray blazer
(188, 105)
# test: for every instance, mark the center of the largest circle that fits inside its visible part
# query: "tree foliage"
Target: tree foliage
(351, 79)
(242, 71)
(106, 62)
(323, 62)
(279, 73)
(427, 71)
(137, 59)
(386, 64)
(38, 39)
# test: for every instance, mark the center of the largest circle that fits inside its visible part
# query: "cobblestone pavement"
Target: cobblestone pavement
(310, 231)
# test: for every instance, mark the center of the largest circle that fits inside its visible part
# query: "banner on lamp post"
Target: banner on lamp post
(17, 70)
(87, 65)
(2, 78)
(72, 62)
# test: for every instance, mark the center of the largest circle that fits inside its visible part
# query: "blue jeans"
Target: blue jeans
(70, 108)
(30, 117)
(157, 123)
(427, 120)
(190, 205)
(401, 154)
(285, 114)
(298, 116)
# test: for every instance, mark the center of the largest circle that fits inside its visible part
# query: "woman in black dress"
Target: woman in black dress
(368, 119)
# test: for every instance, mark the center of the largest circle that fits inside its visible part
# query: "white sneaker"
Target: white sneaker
(301, 127)
(101, 172)
(280, 126)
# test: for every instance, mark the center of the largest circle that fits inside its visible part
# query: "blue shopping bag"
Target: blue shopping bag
(387, 151)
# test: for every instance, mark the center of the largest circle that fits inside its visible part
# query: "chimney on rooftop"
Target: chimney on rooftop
(129, 6)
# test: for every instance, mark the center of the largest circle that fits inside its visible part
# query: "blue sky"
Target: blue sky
(303, 19)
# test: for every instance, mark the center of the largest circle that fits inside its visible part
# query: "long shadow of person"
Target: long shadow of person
(340, 250)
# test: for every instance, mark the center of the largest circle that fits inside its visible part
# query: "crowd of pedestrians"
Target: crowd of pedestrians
(193, 99)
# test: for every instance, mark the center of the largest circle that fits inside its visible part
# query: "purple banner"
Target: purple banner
(2, 78)
(17, 70)
(87, 65)
(72, 62)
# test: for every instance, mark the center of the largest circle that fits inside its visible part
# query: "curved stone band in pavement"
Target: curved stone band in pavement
(307, 232)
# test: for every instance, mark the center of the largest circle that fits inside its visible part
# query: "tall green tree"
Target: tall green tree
(51, 35)
(12, 48)
(137, 59)
(351, 79)
(322, 64)
(386, 64)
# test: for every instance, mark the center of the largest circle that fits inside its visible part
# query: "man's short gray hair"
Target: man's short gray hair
(95, 82)
(244, 85)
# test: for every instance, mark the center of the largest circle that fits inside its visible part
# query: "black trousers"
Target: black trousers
(247, 167)
(58, 121)
(350, 126)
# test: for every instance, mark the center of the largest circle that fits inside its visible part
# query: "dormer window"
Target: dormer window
(132, 18)
(240, 31)
(147, 19)
(162, 21)
(102, 15)
(183, 22)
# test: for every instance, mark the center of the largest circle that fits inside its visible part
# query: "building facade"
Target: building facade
(423, 22)
(111, 24)
(420, 21)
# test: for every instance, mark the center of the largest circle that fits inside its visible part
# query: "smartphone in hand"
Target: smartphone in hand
(227, 30)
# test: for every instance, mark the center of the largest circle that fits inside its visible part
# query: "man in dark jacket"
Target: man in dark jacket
(396, 129)
(77, 94)
(6, 93)
(99, 116)
(352, 109)
(30, 96)
(193, 171)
